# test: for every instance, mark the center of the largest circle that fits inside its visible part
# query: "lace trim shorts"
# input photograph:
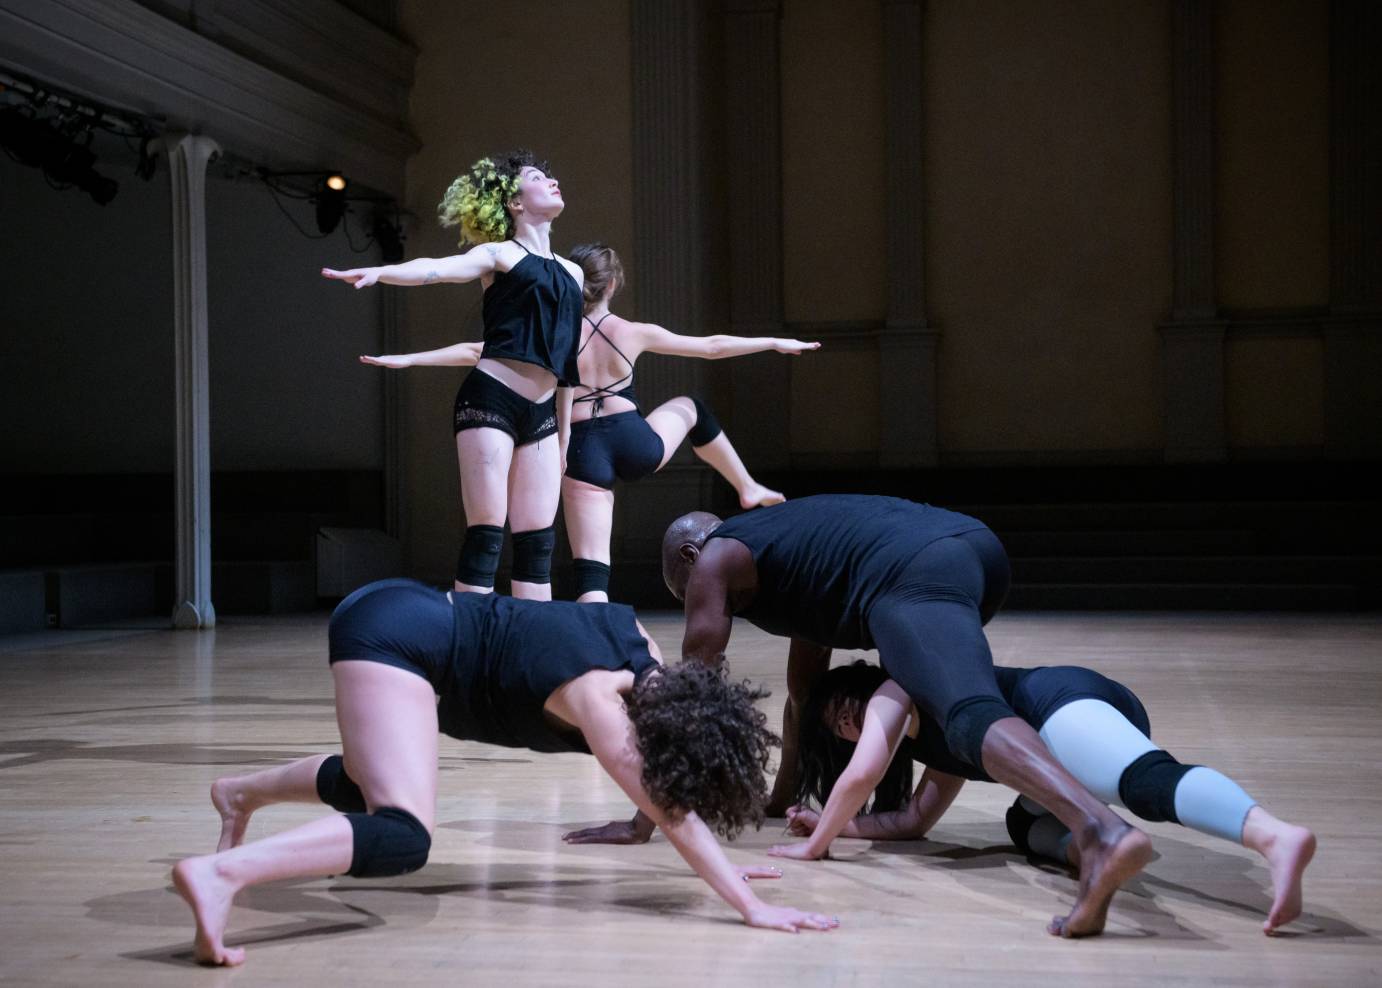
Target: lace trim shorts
(484, 403)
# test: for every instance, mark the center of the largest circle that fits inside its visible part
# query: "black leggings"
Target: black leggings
(929, 630)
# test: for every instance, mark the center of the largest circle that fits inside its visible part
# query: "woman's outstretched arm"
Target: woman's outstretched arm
(599, 713)
(456, 355)
(885, 721)
(655, 339)
(933, 796)
(458, 268)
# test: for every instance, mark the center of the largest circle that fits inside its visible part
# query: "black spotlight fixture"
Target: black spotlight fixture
(330, 197)
(64, 155)
(388, 234)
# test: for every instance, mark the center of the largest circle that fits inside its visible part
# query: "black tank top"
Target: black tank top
(822, 561)
(508, 656)
(532, 313)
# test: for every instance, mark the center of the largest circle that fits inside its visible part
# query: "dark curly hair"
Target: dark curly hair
(822, 756)
(705, 746)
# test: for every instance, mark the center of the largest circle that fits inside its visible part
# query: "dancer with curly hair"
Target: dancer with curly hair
(860, 734)
(512, 414)
(612, 439)
(687, 745)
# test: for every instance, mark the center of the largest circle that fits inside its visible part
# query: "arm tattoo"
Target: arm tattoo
(493, 250)
(431, 277)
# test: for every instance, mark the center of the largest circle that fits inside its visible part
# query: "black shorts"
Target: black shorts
(484, 403)
(622, 446)
(399, 623)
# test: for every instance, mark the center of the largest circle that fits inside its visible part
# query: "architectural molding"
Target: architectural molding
(753, 160)
(121, 53)
(907, 346)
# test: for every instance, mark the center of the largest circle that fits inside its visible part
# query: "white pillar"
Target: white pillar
(188, 155)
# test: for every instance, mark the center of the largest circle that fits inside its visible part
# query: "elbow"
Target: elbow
(715, 347)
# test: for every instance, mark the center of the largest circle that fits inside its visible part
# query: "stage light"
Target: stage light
(66, 158)
(331, 202)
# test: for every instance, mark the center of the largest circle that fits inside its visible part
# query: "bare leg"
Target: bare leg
(1109, 850)
(534, 488)
(589, 513)
(672, 420)
(388, 723)
(484, 456)
(1288, 850)
(236, 797)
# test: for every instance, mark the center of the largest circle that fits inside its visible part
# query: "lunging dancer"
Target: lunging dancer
(860, 731)
(686, 744)
(512, 414)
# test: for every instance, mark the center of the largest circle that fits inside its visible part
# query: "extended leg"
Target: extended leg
(389, 728)
(934, 646)
(1121, 764)
(674, 420)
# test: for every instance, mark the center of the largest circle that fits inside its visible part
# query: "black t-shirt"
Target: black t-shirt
(509, 656)
(532, 313)
(823, 560)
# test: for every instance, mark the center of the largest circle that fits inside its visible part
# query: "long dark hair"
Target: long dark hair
(822, 757)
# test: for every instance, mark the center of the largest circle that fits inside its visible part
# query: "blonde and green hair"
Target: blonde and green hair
(477, 201)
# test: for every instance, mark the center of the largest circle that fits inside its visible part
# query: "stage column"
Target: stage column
(188, 155)
(907, 345)
(1192, 342)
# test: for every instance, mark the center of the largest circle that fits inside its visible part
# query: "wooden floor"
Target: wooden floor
(108, 742)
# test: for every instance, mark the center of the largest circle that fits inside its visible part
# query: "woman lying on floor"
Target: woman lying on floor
(860, 734)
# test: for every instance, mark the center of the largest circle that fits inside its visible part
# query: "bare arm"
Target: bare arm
(655, 339)
(456, 355)
(564, 398)
(708, 615)
(607, 730)
(459, 268)
(932, 798)
(885, 721)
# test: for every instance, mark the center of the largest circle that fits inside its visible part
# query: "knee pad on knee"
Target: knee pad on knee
(532, 555)
(479, 559)
(706, 428)
(1147, 787)
(591, 575)
(968, 721)
(388, 841)
(1019, 820)
(338, 790)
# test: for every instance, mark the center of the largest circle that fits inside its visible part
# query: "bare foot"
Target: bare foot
(1105, 866)
(229, 800)
(755, 495)
(209, 895)
(1288, 850)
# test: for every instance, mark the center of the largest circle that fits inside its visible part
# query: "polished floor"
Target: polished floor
(108, 741)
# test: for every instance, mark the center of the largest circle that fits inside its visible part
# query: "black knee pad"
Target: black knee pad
(591, 575)
(968, 721)
(388, 841)
(1019, 820)
(532, 555)
(1147, 787)
(338, 790)
(706, 428)
(479, 559)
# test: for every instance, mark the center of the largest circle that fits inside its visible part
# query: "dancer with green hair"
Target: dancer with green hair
(512, 414)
